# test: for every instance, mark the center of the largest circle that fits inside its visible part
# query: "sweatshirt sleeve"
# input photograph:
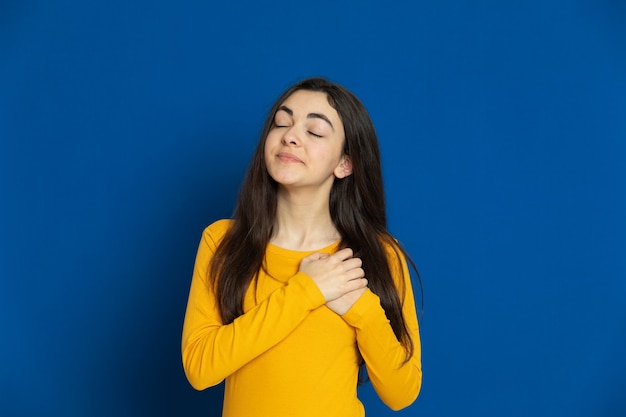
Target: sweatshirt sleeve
(396, 382)
(211, 351)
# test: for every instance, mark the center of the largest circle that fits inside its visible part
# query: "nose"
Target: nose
(291, 137)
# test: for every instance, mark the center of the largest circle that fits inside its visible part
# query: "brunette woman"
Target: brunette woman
(305, 284)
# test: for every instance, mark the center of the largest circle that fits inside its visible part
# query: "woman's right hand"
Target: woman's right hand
(336, 274)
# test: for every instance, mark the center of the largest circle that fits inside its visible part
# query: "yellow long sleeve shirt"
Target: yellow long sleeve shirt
(288, 354)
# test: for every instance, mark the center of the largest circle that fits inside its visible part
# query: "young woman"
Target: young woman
(305, 284)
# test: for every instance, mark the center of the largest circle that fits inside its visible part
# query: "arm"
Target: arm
(210, 350)
(397, 383)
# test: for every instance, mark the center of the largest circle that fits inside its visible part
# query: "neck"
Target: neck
(303, 221)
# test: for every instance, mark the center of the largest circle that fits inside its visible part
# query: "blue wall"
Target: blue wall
(125, 128)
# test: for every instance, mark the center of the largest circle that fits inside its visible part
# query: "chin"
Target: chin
(283, 177)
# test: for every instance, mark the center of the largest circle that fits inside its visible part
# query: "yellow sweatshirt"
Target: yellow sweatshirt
(288, 354)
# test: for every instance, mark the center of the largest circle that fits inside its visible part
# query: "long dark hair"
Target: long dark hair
(357, 208)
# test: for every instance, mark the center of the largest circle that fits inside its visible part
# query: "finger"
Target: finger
(355, 284)
(355, 273)
(353, 263)
(343, 254)
(351, 267)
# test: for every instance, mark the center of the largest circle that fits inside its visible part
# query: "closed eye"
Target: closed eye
(315, 134)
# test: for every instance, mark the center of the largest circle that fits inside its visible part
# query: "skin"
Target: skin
(304, 155)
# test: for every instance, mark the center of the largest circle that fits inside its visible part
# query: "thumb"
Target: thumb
(316, 256)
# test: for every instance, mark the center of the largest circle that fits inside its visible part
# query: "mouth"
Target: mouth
(287, 157)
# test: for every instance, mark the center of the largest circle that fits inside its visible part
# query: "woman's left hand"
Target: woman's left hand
(342, 304)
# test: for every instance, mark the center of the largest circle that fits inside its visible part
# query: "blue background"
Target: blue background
(125, 129)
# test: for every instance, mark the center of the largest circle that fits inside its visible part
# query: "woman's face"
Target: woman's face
(304, 147)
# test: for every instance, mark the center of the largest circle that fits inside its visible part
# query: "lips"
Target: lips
(288, 157)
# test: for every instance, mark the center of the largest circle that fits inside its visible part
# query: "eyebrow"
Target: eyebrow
(308, 116)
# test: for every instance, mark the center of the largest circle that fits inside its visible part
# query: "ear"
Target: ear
(344, 168)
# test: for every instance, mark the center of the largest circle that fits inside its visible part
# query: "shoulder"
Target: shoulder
(392, 247)
(396, 256)
(214, 233)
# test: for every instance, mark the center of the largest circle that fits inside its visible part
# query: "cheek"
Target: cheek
(270, 145)
(332, 154)
(272, 139)
(266, 154)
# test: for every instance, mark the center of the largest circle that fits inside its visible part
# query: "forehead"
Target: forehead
(305, 102)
